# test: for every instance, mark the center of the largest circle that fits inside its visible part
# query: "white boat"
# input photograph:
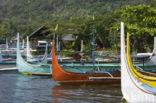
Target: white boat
(136, 87)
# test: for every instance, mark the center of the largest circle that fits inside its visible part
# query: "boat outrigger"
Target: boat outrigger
(137, 87)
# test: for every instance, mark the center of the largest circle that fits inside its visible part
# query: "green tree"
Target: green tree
(140, 22)
(7, 30)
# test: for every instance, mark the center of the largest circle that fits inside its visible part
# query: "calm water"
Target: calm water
(19, 88)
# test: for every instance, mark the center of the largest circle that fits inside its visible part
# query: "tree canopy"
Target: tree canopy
(75, 17)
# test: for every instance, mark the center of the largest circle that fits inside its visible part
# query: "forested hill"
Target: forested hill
(41, 10)
(25, 15)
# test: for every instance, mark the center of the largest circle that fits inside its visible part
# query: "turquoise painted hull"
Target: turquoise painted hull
(27, 68)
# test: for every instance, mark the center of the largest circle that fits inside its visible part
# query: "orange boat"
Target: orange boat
(63, 76)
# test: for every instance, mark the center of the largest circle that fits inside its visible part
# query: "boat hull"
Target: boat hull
(27, 68)
(63, 76)
(135, 86)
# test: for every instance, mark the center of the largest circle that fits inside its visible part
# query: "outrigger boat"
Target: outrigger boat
(27, 68)
(63, 76)
(45, 69)
(137, 87)
(42, 68)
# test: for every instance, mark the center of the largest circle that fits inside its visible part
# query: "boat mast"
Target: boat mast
(6, 44)
(93, 47)
(57, 44)
(23, 44)
(28, 56)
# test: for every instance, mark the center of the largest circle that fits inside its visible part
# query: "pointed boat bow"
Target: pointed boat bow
(136, 87)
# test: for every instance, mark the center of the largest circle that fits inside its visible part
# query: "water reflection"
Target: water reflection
(7, 85)
(87, 94)
(33, 89)
(18, 88)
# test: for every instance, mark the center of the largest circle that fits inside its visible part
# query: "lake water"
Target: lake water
(18, 88)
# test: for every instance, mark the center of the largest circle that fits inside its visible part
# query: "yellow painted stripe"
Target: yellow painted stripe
(26, 73)
(139, 76)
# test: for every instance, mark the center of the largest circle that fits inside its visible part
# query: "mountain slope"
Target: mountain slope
(56, 9)
(27, 15)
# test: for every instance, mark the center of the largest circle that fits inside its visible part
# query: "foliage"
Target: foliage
(6, 29)
(28, 15)
(75, 17)
(140, 22)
